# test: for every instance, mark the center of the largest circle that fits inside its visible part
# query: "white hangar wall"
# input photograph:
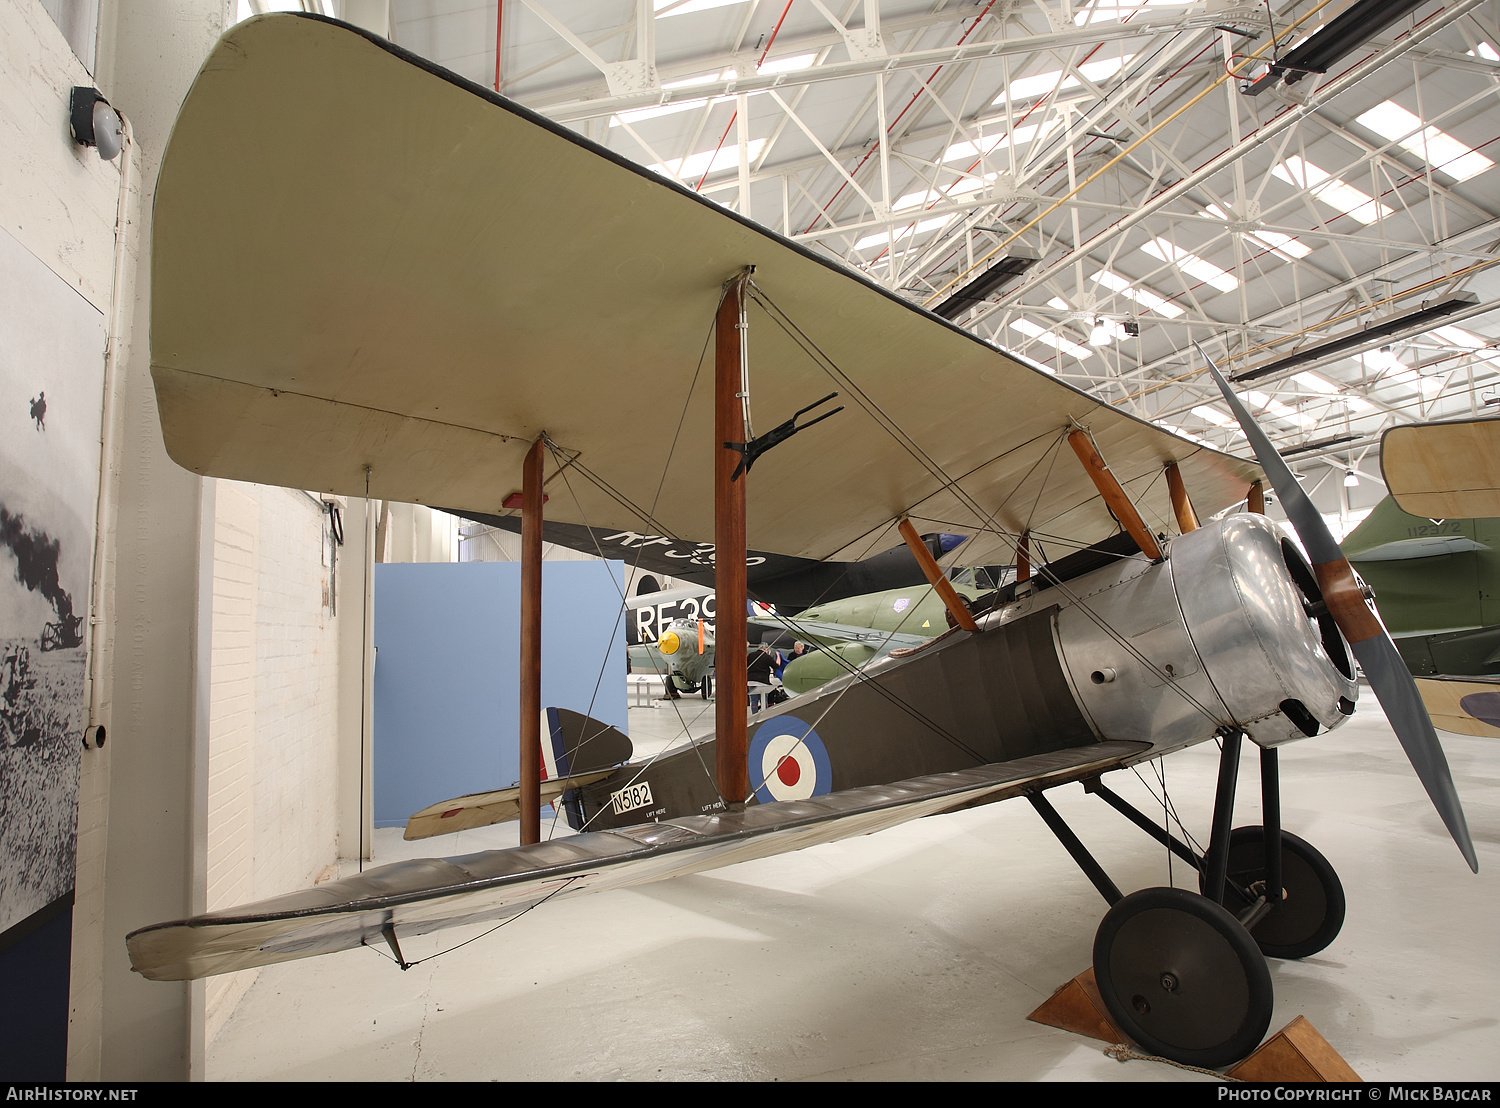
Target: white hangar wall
(232, 638)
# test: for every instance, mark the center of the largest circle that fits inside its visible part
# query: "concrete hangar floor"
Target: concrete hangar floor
(916, 953)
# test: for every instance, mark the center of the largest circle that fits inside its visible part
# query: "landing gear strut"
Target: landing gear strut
(1183, 974)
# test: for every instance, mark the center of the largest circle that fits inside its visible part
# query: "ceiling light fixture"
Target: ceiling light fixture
(1351, 479)
(1016, 262)
(1365, 339)
(1101, 335)
(1350, 29)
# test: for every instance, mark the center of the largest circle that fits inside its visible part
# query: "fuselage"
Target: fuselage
(1225, 630)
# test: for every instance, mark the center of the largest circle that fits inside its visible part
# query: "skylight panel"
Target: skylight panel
(788, 64)
(702, 79)
(1279, 410)
(1313, 383)
(665, 8)
(1457, 336)
(881, 238)
(1138, 293)
(912, 199)
(1106, 11)
(708, 161)
(1331, 190)
(1439, 149)
(1212, 415)
(1039, 84)
(1403, 375)
(635, 115)
(1279, 243)
(962, 187)
(1051, 338)
(1059, 303)
(1486, 51)
(1192, 264)
(1104, 68)
(977, 148)
(1190, 436)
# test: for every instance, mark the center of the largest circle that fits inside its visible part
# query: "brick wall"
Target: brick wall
(273, 722)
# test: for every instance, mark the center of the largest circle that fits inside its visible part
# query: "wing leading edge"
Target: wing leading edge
(416, 897)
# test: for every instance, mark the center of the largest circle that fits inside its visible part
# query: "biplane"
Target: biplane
(470, 299)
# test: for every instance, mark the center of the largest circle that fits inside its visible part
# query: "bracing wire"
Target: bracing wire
(986, 519)
(459, 946)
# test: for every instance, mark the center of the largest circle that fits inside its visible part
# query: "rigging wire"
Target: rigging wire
(413, 965)
(624, 601)
(986, 519)
(651, 761)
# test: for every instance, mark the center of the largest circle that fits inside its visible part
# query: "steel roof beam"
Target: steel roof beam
(573, 110)
(1255, 140)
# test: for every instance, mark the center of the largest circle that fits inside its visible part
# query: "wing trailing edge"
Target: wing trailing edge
(420, 896)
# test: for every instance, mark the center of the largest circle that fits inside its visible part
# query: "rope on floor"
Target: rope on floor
(1122, 1053)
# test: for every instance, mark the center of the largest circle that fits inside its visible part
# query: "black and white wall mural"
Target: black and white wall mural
(51, 388)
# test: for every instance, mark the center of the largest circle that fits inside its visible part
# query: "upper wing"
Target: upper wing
(1444, 470)
(467, 275)
(420, 896)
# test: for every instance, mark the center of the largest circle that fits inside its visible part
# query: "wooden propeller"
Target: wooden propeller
(1387, 673)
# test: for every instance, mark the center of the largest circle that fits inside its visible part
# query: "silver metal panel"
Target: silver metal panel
(1247, 620)
(1130, 658)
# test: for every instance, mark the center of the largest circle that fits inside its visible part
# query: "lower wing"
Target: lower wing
(416, 897)
(1464, 705)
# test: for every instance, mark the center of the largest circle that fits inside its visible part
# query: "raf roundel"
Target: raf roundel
(788, 761)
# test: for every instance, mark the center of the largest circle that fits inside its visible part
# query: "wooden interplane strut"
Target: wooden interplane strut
(730, 622)
(1182, 507)
(1113, 494)
(936, 578)
(531, 645)
(1255, 500)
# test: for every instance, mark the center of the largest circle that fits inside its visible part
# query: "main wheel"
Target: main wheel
(1182, 977)
(1311, 912)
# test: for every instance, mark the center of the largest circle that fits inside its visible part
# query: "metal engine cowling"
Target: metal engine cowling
(1221, 631)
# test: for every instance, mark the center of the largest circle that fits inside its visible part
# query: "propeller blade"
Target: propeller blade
(1387, 673)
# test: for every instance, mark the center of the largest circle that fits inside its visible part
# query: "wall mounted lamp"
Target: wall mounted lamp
(94, 123)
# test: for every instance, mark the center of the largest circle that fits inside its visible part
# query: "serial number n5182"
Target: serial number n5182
(630, 798)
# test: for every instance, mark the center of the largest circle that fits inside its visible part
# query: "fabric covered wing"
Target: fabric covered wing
(1444, 470)
(1463, 705)
(467, 275)
(420, 896)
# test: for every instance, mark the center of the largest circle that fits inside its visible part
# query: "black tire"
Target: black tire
(1182, 977)
(1312, 907)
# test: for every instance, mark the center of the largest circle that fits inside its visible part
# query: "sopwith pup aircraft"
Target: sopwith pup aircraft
(492, 290)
